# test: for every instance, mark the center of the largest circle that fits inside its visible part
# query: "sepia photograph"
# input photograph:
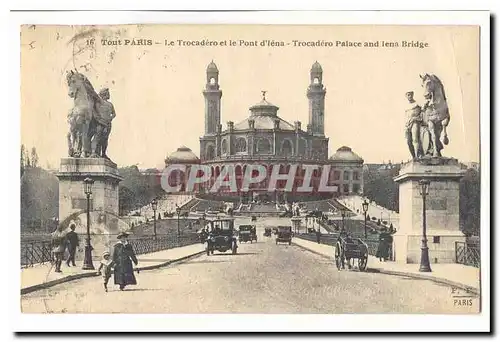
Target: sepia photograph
(251, 169)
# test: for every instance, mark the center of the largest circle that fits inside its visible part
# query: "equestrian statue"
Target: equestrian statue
(89, 119)
(427, 122)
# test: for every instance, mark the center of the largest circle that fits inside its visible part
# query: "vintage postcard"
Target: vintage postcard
(258, 169)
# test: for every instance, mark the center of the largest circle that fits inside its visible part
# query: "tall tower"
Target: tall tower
(212, 95)
(316, 94)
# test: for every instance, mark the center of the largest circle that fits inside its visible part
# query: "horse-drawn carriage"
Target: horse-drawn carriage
(348, 248)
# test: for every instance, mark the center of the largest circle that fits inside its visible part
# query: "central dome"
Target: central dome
(264, 116)
(182, 155)
(264, 107)
(345, 154)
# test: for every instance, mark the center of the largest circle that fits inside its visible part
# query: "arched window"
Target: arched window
(263, 146)
(224, 148)
(302, 147)
(210, 152)
(287, 148)
(346, 175)
(355, 176)
(241, 145)
(212, 80)
(316, 80)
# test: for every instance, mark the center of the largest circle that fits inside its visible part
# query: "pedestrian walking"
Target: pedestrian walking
(123, 256)
(58, 247)
(318, 236)
(73, 242)
(385, 242)
(105, 268)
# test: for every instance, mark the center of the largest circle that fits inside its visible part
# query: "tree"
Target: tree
(126, 198)
(34, 157)
(379, 186)
(23, 159)
(470, 203)
(39, 197)
(144, 187)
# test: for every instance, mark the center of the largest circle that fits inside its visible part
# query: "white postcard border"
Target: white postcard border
(146, 322)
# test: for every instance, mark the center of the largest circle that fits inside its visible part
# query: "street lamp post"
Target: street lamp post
(154, 206)
(424, 259)
(178, 211)
(343, 219)
(365, 210)
(87, 261)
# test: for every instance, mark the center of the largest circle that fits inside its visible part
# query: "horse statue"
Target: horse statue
(435, 113)
(88, 119)
(426, 123)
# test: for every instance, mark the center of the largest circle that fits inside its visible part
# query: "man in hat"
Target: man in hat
(413, 124)
(73, 243)
(123, 256)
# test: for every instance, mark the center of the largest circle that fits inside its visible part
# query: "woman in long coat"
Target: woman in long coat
(123, 256)
(384, 244)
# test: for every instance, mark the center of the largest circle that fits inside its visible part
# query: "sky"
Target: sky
(157, 89)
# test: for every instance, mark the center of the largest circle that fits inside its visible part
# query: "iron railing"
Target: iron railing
(150, 244)
(35, 252)
(467, 254)
(331, 239)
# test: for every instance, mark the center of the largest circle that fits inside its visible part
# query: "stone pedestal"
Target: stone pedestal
(442, 212)
(72, 198)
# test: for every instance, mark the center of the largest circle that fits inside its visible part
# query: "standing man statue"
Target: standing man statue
(413, 126)
(107, 114)
(426, 124)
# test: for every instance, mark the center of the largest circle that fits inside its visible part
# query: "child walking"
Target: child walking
(105, 268)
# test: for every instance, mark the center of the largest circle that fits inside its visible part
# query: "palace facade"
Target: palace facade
(266, 139)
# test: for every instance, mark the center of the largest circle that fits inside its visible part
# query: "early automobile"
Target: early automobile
(247, 233)
(284, 234)
(244, 234)
(221, 236)
(348, 248)
(267, 232)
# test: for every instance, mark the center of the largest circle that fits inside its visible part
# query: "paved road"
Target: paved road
(262, 278)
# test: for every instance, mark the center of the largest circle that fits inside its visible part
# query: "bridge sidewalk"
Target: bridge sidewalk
(455, 275)
(42, 275)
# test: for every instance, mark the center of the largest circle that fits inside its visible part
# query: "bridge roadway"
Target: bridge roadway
(262, 278)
